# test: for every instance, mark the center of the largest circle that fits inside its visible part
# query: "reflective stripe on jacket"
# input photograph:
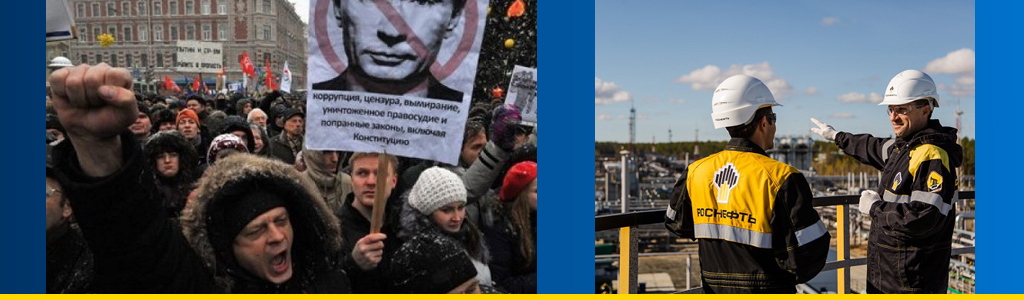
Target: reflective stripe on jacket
(912, 227)
(753, 216)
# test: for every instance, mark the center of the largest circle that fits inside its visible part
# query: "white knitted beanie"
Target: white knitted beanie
(435, 188)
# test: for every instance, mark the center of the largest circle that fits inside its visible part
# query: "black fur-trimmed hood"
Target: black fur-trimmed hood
(316, 230)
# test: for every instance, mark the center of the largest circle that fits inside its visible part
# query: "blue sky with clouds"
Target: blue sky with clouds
(825, 59)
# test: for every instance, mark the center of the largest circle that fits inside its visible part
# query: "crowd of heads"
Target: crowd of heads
(231, 170)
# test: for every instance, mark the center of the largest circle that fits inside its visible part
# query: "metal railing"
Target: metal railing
(628, 267)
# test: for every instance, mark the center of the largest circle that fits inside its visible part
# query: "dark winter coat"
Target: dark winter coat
(912, 227)
(354, 227)
(174, 191)
(413, 223)
(138, 250)
(281, 148)
(69, 263)
(509, 266)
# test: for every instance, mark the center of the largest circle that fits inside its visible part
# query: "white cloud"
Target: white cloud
(810, 91)
(608, 92)
(642, 117)
(710, 76)
(959, 63)
(855, 97)
(829, 21)
(842, 115)
(678, 101)
(602, 117)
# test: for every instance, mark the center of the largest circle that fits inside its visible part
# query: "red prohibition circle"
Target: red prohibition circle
(471, 21)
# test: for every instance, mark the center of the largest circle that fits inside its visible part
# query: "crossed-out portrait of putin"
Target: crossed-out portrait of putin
(391, 45)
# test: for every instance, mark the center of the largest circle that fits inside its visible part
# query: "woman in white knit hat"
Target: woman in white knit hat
(437, 204)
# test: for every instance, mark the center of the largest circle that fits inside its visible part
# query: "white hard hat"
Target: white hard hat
(736, 100)
(909, 86)
(60, 62)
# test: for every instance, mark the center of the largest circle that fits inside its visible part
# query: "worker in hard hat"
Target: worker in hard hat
(912, 210)
(757, 229)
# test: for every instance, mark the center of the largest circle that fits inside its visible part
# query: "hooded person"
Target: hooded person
(243, 107)
(230, 202)
(224, 145)
(176, 167)
(437, 205)
(237, 126)
(252, 227)
(323, 169)
(511, 231)
(260, 140)
(433, 263)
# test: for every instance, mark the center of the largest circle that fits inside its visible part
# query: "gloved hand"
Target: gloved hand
(504, 121)
(824, 130)
(867, 198)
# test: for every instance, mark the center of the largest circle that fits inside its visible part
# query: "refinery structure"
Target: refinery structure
(636, 254)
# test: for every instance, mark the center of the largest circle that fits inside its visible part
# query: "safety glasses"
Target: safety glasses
(902, 110)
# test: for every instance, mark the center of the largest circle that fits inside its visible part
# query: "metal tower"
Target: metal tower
(696, 143)
(632, 125)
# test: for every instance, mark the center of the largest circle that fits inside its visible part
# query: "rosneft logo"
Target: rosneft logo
(892, 92)
(725, 180)
(896, 181)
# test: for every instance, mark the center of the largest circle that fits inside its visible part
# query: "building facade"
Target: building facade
(146, 31)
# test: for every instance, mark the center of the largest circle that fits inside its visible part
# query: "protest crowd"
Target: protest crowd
(216, 193)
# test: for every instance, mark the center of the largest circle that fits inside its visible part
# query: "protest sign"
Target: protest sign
(59, 21)
(286, 79)
(406, 86)
(522, 92)
(199, 57)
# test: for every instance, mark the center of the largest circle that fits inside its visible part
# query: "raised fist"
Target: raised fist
(94, 103)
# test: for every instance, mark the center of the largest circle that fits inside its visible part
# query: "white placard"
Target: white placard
(199, 57)
(59, 23)
(522, 92)
(388, 94)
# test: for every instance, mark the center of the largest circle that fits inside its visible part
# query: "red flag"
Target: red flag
(269, 77)
(195, 84)
(247, 66)
(168, 83)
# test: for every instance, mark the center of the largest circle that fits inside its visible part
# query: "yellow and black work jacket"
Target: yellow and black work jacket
(912, 227)
(757, 230)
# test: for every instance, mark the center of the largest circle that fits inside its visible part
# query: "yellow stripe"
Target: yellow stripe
(926, 152)
(624, 260)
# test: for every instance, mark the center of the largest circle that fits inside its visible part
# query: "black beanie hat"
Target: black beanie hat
(431, 263)
(143, 108)
(229, 217)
